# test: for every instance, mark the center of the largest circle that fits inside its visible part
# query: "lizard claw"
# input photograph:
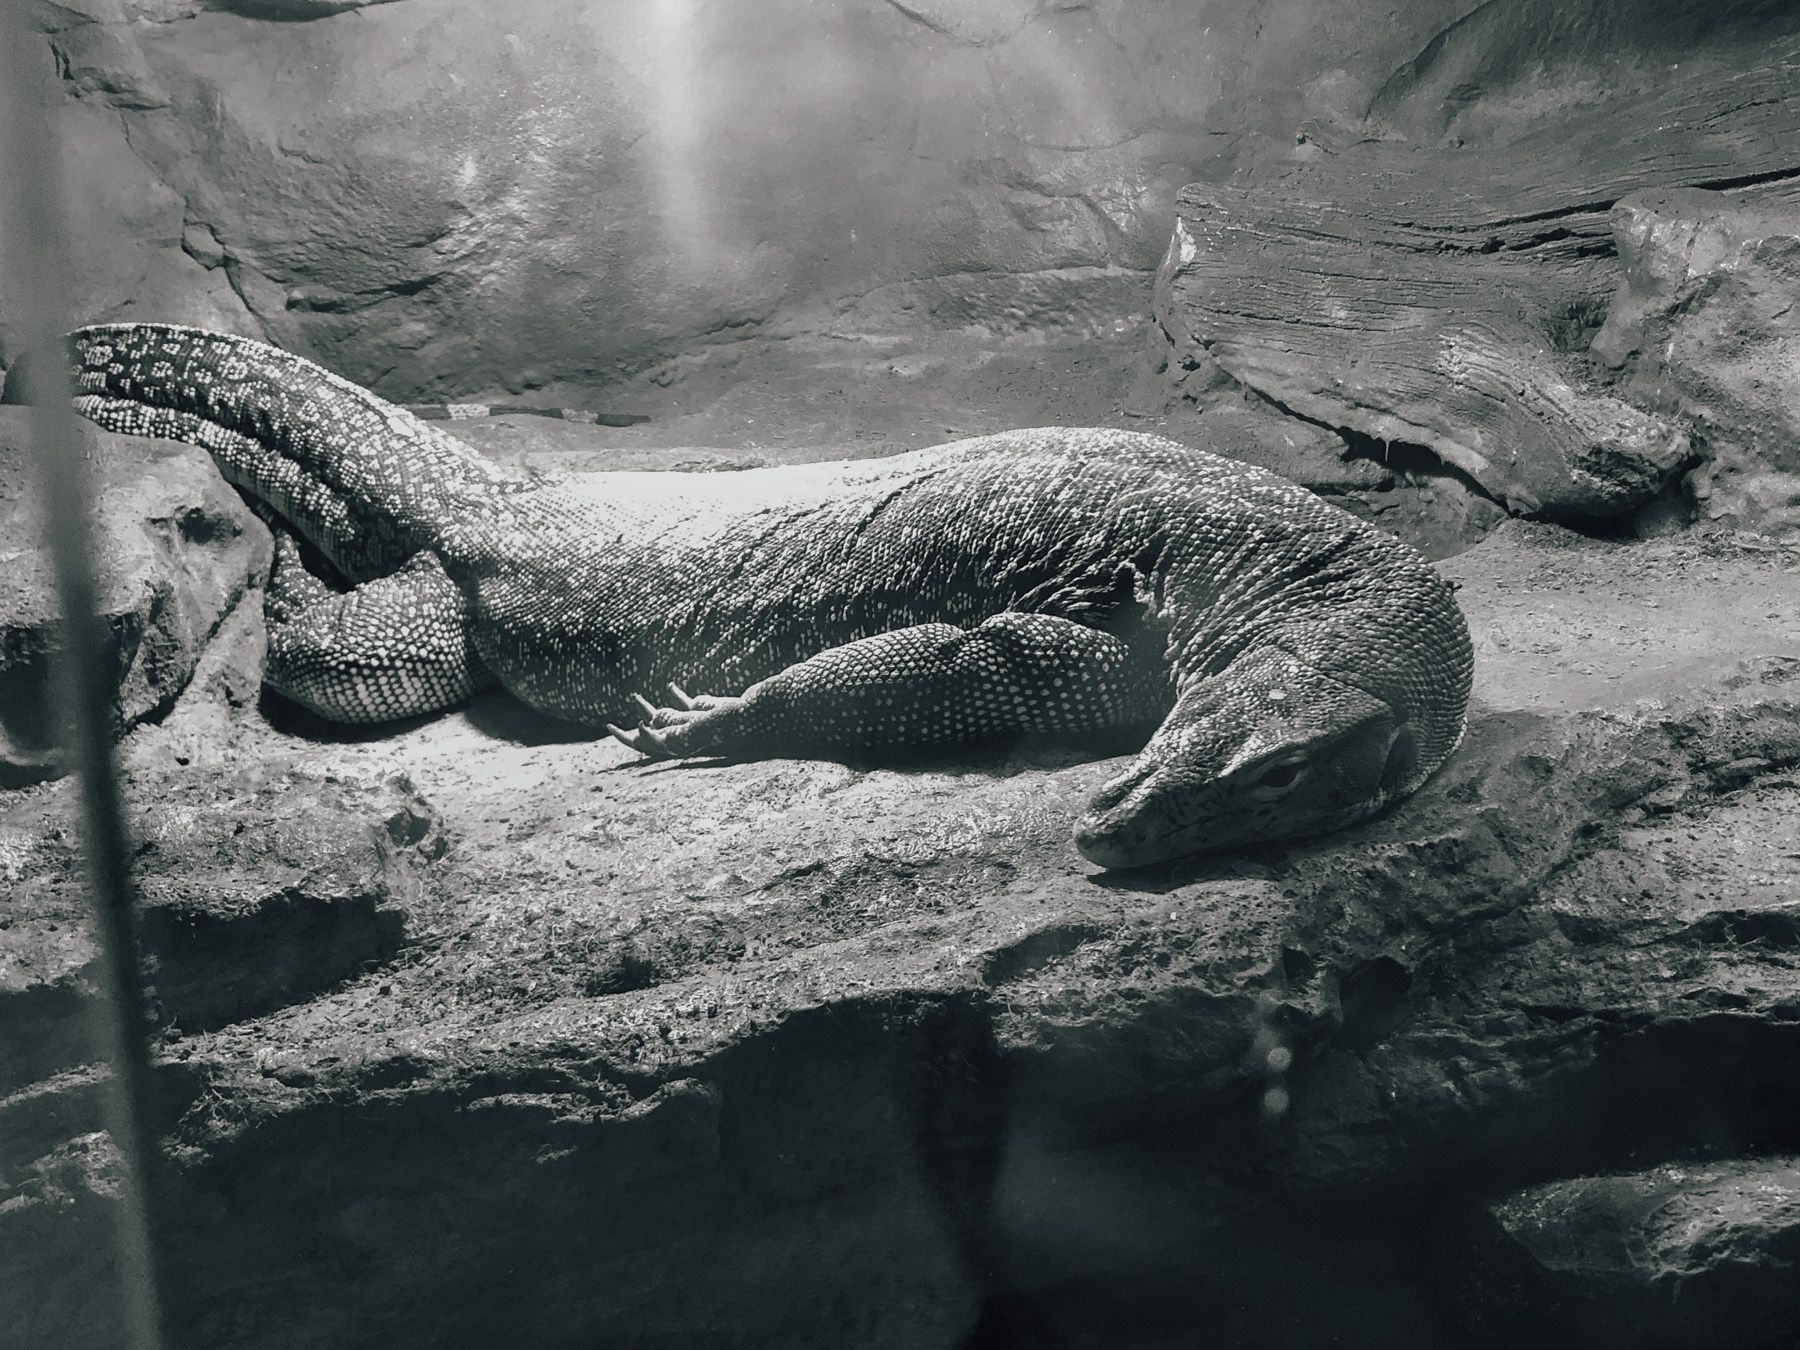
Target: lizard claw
(643, 740)
(675, 731)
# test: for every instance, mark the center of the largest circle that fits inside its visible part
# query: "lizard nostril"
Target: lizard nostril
(1114, 791)
(1108, 796)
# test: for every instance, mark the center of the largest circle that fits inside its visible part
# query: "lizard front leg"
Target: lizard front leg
(394, 647)
(932, 684)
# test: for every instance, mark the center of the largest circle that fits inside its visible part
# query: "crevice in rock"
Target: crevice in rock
(1372, 997)
(1784, 174)
(1488, 225)
(1672, 501)
(232, 268)
(937, 26)
(1034, 951)
(318, 301)
(46, 1029)
(948, 33)
(203, 977)
(1405, 459)
(292, 11)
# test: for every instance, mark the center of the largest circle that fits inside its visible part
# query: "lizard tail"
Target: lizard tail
(362, 478)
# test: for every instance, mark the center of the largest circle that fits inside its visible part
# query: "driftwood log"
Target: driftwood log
(1445, 296)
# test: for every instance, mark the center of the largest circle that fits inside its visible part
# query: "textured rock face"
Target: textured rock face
(1685, 1254)
(178, 550)
(1707, 324)
(462, 197)
(539, 1045)
(1437, 279)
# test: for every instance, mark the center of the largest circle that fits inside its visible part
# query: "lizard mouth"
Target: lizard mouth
(1113, 848)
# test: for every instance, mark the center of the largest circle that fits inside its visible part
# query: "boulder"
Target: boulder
(178, 551)
(1445, 295)
(1706, 324)
(1687, 1254)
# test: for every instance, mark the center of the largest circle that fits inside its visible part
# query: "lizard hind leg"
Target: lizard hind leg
(395, 647)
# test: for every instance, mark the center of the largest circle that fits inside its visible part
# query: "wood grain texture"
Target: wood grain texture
(1446, 295)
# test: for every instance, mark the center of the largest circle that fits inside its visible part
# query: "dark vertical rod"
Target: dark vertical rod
(33, 239)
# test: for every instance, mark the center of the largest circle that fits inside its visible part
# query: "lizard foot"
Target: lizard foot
(684, 727)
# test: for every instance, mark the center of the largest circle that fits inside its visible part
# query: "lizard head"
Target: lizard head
(1269, 748)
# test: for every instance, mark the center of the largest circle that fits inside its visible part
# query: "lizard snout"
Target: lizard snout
(1121, 827)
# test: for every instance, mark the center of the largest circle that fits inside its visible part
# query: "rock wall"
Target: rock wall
(458, 197)
(1438, 273)
(1704, 327)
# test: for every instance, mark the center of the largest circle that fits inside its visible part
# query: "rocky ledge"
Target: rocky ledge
(180, 551)
(479, 1031)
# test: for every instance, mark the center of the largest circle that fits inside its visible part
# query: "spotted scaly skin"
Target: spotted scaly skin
(1301, 670)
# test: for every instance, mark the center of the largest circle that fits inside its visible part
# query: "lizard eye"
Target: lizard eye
(1275, 777)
